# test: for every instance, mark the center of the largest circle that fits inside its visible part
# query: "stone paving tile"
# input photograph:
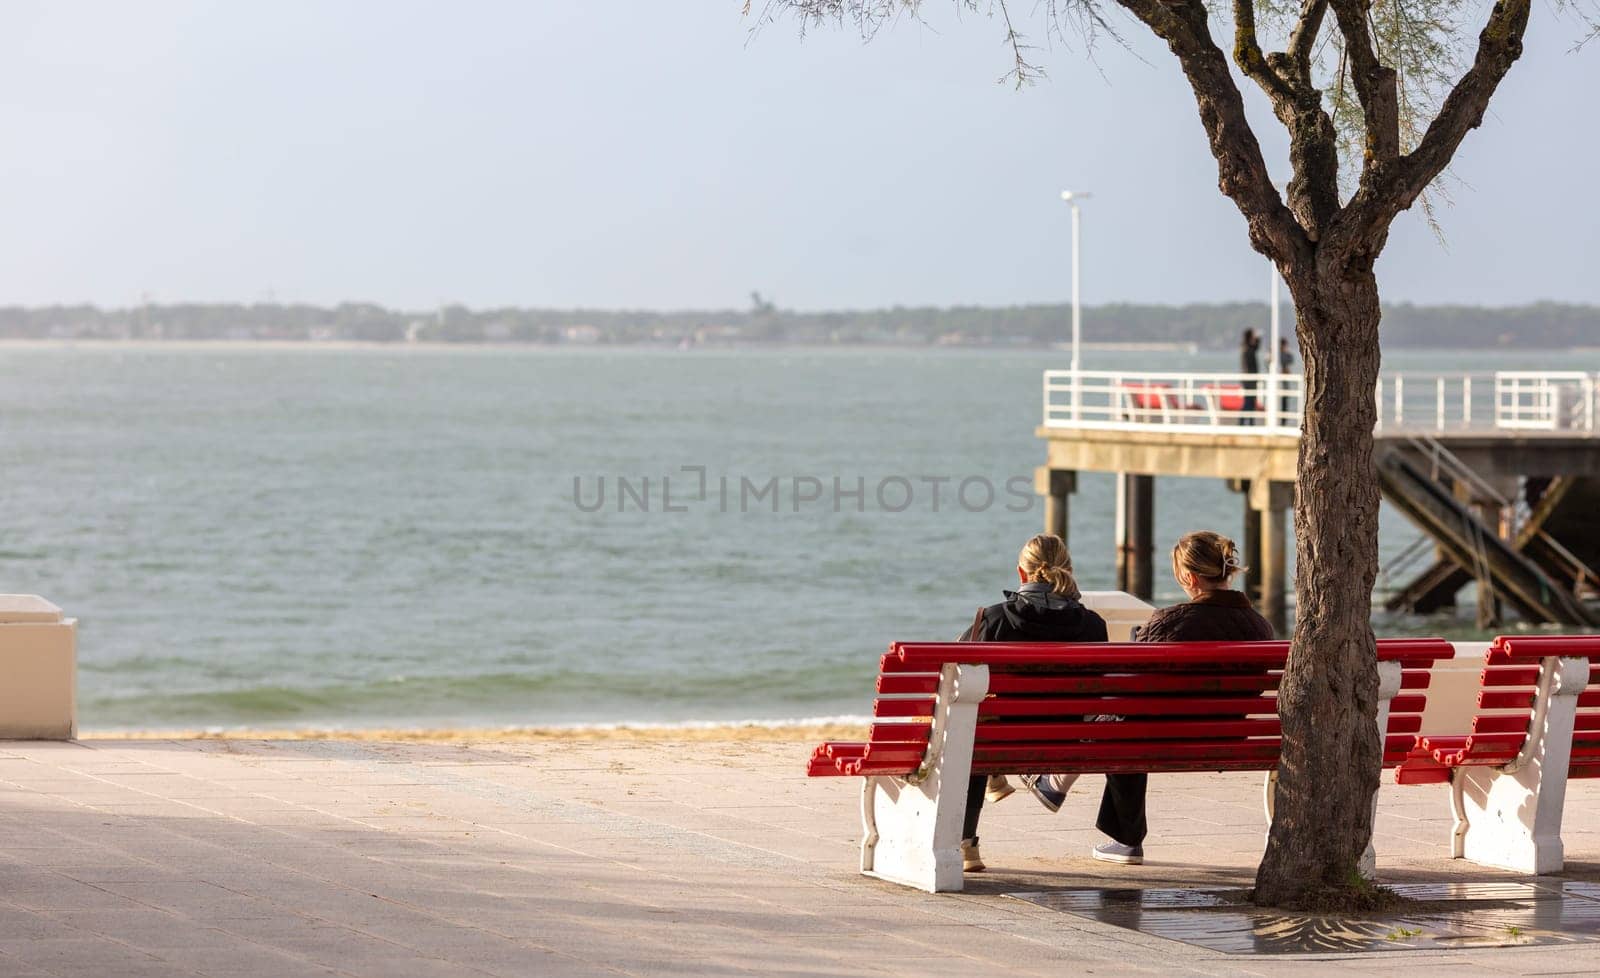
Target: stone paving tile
(86, 954)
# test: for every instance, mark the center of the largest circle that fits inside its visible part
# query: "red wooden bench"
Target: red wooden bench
(946, 711)
(1536, 726)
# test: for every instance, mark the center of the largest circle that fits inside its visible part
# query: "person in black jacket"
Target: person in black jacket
(1249, 345)
(1204, 564)
(1045, 608)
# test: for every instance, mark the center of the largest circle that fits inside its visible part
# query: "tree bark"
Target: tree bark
(1332, 755)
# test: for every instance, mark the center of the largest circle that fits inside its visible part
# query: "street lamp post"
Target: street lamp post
(1274, 368)
(1072, 198)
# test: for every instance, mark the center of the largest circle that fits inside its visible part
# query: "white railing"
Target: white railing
(1436, 402)
(1555, 401)
(1270, 404)
(1116, 399)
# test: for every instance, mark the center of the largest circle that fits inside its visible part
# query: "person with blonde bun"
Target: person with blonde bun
(1045, 607)
(1204, 564)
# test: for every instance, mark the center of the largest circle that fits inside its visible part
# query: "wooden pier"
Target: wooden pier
(1500, 472)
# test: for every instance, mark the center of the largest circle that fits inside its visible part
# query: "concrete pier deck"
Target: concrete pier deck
(583, 857)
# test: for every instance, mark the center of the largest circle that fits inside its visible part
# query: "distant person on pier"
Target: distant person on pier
(1285, 366)
(1204, 564)
(1249, 347)
(1044, 608)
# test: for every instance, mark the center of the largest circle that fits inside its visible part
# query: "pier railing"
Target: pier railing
(1267, 403)
(1270, 404)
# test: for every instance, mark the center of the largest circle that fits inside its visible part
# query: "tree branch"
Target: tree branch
(1397, 187)
(1302, 39)
(1499, 47)
(1375, 82)
(1296, 101)
(1241, 170)
(1247, 53)
(1022, 70)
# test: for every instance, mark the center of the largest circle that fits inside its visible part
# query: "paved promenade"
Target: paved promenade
(608, 857)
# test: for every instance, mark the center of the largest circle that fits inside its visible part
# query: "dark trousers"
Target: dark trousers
(969, 824)
(1121, 808)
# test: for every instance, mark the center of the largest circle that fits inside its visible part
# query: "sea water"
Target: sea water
(310, 536)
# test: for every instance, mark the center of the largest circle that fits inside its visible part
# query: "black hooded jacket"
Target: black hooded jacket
(1034, 613)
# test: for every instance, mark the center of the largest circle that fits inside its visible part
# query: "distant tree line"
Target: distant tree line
(1210, 325)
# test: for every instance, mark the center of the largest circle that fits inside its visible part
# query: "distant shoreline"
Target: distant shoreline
(434, 346)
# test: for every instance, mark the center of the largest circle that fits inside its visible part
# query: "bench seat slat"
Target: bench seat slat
(1418, 773)
(1516, 699)
(1404, 723)
(903, 708)
(1524, 698)
(1414, 678)
(1514, 647)
(1048, 706)
(1509, 676)
(1167, 765)
(1136, 683)
(1149, 730)
(1105, 656)
(1506, 723)
(1091, 758)
(900, 732)
(910, 682)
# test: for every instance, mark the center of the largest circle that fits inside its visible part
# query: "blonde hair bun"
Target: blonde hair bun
(1045, 558)
(1207, 555)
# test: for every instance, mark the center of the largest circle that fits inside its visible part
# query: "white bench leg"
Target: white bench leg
(1510, 817)
(1389, 678)
(911, 828)
(1388, 688)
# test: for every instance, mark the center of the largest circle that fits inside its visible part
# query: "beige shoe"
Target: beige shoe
(998, 789)
(971, 860)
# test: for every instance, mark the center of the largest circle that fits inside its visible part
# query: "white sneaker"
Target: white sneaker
(1116, 852)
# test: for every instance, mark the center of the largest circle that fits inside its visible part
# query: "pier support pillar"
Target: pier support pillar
(1271, 502)
(1055, 485)
(1494, 517)
(1250, 542)
(1136, 531)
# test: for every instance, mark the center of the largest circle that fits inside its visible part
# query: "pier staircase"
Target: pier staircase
(1544, 569)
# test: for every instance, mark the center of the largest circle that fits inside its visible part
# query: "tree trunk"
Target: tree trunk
(1332, 755)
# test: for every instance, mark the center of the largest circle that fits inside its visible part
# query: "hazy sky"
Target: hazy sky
(649, 153)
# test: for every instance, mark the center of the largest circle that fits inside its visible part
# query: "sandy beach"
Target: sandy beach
(661, 733)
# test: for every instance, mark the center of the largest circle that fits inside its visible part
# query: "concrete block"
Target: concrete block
(38, 670)
(1122, 611)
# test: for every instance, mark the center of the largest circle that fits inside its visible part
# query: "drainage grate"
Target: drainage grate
(1450, 915)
